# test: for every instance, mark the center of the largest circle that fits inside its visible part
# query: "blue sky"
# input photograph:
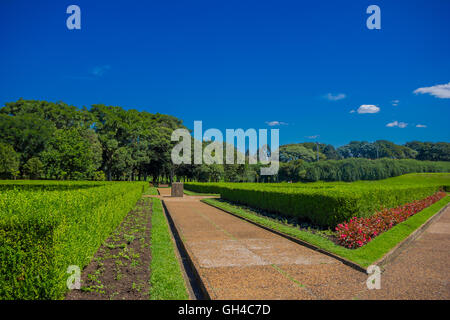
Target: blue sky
(241, 64)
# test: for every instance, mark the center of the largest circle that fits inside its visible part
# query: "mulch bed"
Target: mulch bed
(120, 270)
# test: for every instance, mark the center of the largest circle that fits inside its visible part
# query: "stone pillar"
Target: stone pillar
(177, 189)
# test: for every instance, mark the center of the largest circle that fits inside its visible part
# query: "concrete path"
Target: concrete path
(421, 271)
(238, 260)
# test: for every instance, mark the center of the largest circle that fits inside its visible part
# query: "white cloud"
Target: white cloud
(99, 71)
(397, 124)
(313, 137)
(395, 102)
(352, 111)
(335, 97)
(439, 91)
(368, 108)
(276, 123)
(421, 126)
(392, 124)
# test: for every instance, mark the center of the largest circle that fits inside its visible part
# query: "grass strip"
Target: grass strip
(166, 279)
(364, 256)
(152, 191)
(192, 193)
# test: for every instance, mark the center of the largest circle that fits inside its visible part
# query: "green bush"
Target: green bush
(42, 185)
(45, 230)
(328, 204)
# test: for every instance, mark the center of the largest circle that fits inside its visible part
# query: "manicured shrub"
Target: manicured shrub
(327, 204)
(358, 231)
(45, 230)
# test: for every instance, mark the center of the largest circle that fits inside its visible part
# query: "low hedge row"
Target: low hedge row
(359, 231)
(43, 232)
(322, 204)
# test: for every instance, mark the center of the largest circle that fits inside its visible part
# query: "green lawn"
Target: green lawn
(364, 256)
(192, 193)
(166, 280)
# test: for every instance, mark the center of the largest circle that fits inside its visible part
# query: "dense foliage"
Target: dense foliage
(327, 204)
(58, 141)
(355, 169)
(309, 151)
(45, 227)
(430, 151)
(45, 140)
(9, 161)
(358, 231)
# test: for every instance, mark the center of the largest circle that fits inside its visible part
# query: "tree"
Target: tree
(330, 152)
(376, 150)
(9, 161)
(299, 152)
(59, 114)
(33, 168)
(439, 151)
(27, 134)
(69, 155)
(122, 164)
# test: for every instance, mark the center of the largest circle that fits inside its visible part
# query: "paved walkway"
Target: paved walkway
(421, 271)
(238, 260)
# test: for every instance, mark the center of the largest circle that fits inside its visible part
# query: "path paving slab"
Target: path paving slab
(421, 271)
(239, 260)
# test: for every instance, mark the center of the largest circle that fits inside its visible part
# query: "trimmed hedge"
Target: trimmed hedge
(326, 204)
(40, 185)
(42, 232)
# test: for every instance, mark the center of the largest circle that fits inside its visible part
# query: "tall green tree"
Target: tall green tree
(9, 161)
(27, 134)
(33, 168)
(69, 155)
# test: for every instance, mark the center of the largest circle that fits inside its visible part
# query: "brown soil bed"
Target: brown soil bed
(120, 270)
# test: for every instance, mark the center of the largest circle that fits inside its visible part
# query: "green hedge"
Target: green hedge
(43, 232)
(327, 204)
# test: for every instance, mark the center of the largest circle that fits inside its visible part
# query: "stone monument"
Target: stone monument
(177, 189)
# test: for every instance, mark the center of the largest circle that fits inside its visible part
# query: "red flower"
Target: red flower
(359, 231)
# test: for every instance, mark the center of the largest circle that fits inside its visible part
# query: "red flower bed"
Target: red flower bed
(359, 231)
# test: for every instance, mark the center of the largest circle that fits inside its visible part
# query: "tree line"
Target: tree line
(40, 139)
(310, 151)
(46, 140)
(353, 169)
